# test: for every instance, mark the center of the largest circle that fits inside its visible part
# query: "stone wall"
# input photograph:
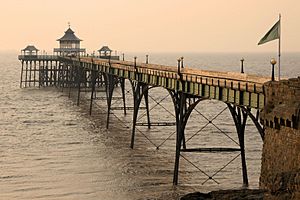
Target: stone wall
(280, 172)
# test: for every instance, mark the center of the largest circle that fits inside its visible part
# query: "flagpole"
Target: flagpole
(279, 49)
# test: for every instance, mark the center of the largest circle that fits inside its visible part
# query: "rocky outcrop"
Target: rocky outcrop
(244, 194)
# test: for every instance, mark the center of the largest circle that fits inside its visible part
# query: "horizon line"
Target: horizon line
(171, 52)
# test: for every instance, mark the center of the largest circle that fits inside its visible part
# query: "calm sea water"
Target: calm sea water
(52, 149)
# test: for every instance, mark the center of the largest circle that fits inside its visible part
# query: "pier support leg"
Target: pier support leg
(139, 90)
(110, 82)
(51, 73)
(183, 112)
(40, 74)
(46, 73)
(55, 74)
(79, 77)
(178, 99)
(146, 96)
(26, 71)
(61, 75)
(93, 82)
(34, 74)
(30, 68)
(64, 75)
(122, 83)
(240, 118)
(71, 80)
(21, 78)
(58, 72)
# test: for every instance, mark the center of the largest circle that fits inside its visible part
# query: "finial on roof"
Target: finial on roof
(69, 24)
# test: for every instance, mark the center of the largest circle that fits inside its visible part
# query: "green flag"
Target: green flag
(272, 34)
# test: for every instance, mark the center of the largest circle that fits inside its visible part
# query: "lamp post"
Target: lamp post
(135, 68)
(242, 65)
(135, 63)
(181, 62)
(273, 63)
(178, 61)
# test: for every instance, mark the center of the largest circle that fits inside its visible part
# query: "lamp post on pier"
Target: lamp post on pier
(178, 61)
(181, 62)
(135, 63)
(242, 65)
(273, 63)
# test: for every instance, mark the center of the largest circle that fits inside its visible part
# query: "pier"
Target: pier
(243, 94)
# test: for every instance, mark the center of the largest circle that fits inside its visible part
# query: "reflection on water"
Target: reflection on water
(52, 149)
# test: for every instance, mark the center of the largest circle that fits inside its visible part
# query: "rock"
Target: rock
(243, 194)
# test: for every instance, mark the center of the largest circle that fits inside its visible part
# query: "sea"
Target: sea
(50, 148)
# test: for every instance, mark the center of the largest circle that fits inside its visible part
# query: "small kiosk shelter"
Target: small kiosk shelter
(30, 51)
(105, 53)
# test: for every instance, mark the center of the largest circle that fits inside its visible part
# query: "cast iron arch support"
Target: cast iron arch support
(183, 110)
(122, 84)
(239, 116)
(94, 76)
(80, 74)
(255, 120)
(110, 83)
(139, 90)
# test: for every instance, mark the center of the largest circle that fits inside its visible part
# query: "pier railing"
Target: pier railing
(38, 57)
(232, 87)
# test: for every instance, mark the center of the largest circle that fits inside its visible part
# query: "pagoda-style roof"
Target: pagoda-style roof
(105, 49)
(30, 48)
(69, 36)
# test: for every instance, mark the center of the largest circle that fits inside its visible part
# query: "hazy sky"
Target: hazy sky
(151, 25)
